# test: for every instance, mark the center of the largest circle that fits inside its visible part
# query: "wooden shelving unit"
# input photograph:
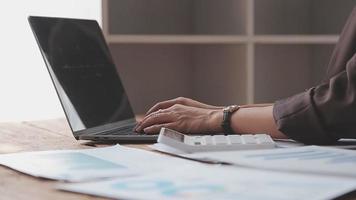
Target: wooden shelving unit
(221, 51)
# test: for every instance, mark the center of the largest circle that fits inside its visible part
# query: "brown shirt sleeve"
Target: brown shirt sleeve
(327, 112)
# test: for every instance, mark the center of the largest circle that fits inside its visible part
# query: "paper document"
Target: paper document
(341, 144)
(218, 182)
(88, 164)
(307, 159)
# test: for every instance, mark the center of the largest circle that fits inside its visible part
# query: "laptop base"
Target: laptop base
(127, 139)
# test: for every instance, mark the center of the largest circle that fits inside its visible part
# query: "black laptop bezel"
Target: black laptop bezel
(94, 132)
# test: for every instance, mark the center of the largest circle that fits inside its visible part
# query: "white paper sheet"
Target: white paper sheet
(341, 144)
(307, 159)
(88, 164)
(218, 182)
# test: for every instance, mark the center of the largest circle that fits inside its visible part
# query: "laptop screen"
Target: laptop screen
(82, 71)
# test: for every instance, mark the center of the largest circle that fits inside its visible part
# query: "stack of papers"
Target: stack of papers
(307, 159)
(122, 172)
(90, 164)
(218, 182)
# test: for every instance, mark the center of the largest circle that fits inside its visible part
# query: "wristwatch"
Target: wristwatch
(227, 113)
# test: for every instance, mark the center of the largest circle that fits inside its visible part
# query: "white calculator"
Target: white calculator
(191, 144)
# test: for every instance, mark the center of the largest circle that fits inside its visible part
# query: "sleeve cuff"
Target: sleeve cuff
(297, 118)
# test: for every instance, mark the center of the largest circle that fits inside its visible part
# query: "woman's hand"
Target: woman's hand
(181, 101)
(183, 118)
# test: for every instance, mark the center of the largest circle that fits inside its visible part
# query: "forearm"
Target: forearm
(256, 119)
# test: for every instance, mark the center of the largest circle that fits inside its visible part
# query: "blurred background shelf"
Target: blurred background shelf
(301, 17)
(295, 39)
(221, 51)
(230, 39)
(177, 39)
(282, 70)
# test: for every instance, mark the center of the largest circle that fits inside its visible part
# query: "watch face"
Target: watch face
(231, 108)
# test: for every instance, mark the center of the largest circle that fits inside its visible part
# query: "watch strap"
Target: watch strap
(227, 114)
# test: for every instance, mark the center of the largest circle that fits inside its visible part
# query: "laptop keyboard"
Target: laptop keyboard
(124, 130)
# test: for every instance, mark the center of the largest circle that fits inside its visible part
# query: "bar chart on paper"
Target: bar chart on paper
(90, 164)
(74, 161)
(75, 166)
(324, 155)
(207, 182)
(307, 159)
(169, 188)
(67, 165)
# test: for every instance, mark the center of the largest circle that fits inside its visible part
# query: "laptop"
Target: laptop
(86, 80)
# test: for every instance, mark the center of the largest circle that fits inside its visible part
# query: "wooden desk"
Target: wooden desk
(35, 136)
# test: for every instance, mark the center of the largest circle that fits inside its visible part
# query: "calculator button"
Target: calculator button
(208, 140)
(235, 139)
(197, 143)
(248, 139)
(220, 139)
(263, 138)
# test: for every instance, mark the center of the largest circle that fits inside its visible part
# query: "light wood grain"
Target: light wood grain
(36, 136)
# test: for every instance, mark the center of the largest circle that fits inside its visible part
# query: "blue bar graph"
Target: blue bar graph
(326, 155)
(75, 161)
